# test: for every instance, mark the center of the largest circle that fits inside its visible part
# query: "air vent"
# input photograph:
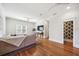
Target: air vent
(54, 14)
(41, 14)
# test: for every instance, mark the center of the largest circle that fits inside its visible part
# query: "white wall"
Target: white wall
(5, 30)
(76, 34)
(56, 25)
(12, 22)
(46, 30)
(2, 21)
(56, 29)
(11, 25)
(30, 27)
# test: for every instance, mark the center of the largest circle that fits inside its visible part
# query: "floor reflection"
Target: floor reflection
(35, 51)
(48, 48)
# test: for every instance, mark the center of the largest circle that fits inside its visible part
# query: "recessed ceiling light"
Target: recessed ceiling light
(68, 8)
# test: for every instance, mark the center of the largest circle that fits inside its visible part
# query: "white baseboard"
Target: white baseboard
(56, 41)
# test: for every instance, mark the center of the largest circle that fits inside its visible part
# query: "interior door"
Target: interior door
(68, 31)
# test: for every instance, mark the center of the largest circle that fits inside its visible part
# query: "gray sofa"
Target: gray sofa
(8, 49)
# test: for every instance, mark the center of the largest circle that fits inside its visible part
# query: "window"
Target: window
(21, 29)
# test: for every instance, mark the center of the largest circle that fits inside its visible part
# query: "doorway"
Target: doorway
(68, 33)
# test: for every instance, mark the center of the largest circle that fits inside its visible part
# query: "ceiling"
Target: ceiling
(27, 10)
(37, 11)
(61, 9)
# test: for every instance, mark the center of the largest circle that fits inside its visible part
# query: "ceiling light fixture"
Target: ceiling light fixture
(68, 8)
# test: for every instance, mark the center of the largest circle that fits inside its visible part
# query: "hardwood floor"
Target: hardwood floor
(48, 48)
